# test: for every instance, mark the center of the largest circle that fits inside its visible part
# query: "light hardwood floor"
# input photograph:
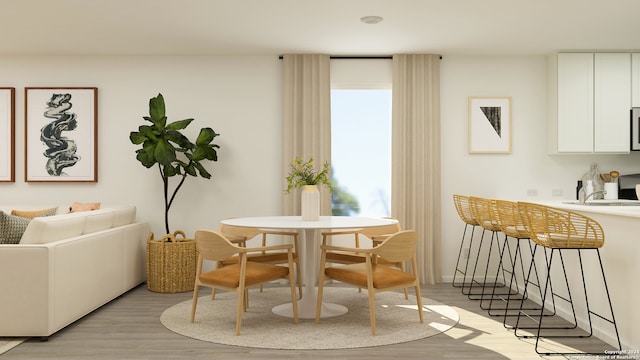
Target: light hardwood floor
(129, 328)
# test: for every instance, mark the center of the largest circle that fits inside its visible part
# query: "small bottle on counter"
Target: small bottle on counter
(589, 188)
(578, 189)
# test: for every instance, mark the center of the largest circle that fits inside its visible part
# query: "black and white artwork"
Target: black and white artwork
(489, 125)
(61, 133)
(7, 134)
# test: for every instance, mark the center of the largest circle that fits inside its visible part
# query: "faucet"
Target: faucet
(590, 195)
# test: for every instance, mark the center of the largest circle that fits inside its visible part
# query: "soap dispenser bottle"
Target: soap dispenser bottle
(589, 188)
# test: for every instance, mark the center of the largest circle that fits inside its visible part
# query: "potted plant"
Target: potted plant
(303, 174)
(165, 146)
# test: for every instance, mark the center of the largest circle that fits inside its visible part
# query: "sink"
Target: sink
(605, 203)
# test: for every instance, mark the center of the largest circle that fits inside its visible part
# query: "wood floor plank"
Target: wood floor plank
(129, 328)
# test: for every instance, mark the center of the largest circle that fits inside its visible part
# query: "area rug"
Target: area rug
(8, 343)
(397, 321)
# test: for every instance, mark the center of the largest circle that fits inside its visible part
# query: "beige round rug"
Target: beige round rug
(397, 321)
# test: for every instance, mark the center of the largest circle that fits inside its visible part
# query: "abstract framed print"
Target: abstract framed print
(7, 134)
(490, 125)
(61, 134)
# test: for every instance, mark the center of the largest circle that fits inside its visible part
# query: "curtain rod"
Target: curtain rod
(383, 57)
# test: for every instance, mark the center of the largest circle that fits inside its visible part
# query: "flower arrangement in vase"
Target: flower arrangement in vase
(303, 174)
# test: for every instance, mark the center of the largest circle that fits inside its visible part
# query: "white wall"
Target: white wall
(239, 97)
(507, 176)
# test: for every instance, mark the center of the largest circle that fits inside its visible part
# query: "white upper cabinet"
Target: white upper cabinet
(575, 102)
(635, 80)
(594, 100)
(612, 102)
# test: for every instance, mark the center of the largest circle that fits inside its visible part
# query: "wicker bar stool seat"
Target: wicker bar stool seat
(481, 211)
(463, 208)
(559, 231)
(507, 215)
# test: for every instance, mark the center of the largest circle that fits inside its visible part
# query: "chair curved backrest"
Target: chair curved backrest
(481, 211)
(214, 246)
(507, 214)
(240, 231)
(463, 207)
(398, 247)
(374, 231)
(560, 228)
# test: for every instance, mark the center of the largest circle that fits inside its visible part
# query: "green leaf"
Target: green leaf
(179, 125)
(170, 171)
(137, 138)
(206, 136)
(203, 172)
(157, 109)
(164, 153)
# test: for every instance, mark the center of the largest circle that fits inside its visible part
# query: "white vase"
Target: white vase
(310, 203)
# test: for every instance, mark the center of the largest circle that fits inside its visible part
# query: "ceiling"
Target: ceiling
(274, 27)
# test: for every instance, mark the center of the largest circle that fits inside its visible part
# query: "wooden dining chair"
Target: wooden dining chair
(240, 276)
(242, 234)
(371, 275)
(376, 234)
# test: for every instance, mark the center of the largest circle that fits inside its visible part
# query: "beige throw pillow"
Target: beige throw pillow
(33, 213)
(77, 207)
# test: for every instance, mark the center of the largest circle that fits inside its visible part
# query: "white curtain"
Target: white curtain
(415, 184)
(306, 126)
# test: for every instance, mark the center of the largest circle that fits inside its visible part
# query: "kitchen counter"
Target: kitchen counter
(629, 208)
(620, 258)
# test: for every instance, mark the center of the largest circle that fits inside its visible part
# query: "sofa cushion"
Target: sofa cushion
(42, 230)
(98, 220)
(124, 215)
(12, 227)
(33, 213)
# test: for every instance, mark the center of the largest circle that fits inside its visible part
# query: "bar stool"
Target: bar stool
(561, 230)
(463, 208)
(481, 211)
(506, 213)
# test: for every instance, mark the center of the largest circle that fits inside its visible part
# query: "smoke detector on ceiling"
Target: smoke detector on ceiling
(371, 19)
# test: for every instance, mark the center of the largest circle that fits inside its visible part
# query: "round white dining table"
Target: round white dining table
(309, 248)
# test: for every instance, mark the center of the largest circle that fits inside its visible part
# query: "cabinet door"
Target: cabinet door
(575, 102)
(612, 102)
(635, 80)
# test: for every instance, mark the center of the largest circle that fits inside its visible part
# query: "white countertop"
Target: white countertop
(618, 210)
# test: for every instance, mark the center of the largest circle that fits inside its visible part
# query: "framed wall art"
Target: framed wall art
(7, 134)
(61, 134)
(489, 125)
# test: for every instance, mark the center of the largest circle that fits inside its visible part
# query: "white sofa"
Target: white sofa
(68, 265)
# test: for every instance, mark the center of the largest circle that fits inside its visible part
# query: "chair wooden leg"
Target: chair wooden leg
(194, 303)
(419, 300)
(372, 312)
(213, 294)
(294, 297)
(403, 267)
(299, 279)
(240, 310)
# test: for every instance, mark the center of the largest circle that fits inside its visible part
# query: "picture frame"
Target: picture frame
(635, 129)
(7, 134)
(490, 125)
(61, 134)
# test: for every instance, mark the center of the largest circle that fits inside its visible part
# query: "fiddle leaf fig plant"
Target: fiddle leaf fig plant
(164, 145)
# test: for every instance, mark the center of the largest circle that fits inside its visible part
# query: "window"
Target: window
(361, 137)
(361, 152)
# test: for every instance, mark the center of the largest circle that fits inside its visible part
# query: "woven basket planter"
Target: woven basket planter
(171, 263)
